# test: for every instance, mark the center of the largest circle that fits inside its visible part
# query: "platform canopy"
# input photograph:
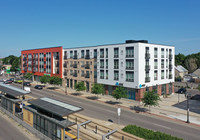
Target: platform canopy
(12, 91)
(55, 107)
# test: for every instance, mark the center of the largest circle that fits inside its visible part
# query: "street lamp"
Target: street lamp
(188, 109)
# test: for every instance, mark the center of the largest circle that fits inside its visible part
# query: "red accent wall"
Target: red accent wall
(159, 90)
(45, 50)
(167, 88)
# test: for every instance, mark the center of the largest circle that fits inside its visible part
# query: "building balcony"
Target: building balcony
(65, 65)
(170, 56)
(162, 66)
(170, 66)
(116, 78)
(116, 67)
(116, 56)
(147, 68)
(147, 79)
(170, 76)
(75, 74)
(82, 56)
(101, 56)
(102, 67)
(75, 56)
(162, 56)
(155, 78)
(129, 56)
(65, 73)
(75, 66)
(87, 56)
(155, 56)
(155, 67)
(129, 68)
(162, 77)
(65, 57)
(147, 55)
(87, 76)
(87, 66)
(129, 80)
(101, 77)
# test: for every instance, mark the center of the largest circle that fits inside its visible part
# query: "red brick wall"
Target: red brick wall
(140, 94)
(106, 90)
(167, 88)
(172, 87)
(159, 89)
(150, 88)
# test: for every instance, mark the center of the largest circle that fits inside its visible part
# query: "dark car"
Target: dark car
(8, 82)
(28, 84)
(12, 79)
(182, 90)
(38, 87)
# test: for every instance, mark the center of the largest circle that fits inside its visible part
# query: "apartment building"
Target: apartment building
(136, 65)
(45, 61)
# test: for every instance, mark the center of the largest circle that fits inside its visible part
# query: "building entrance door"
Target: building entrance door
(87, 86)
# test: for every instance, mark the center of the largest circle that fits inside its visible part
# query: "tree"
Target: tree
(119, 93)
(198, 87)
(80, 86)
(54, 80)
(28, 76)
(151, 99)
(179, 59)
(98, 88)
(16, 64)
(44, 79)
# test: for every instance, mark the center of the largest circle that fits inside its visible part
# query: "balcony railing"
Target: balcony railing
(130, 80)
(155, 56)
(102, 56)
(65, 57)
(129, 56)
(87, 76)
(129, 68)
(170, 66)
(116, 56)
(87, 66)
(102, 66)
(170, 76)
(116, 67)
(162, 77)
(116, 78)
(82, 56)
(147, 55)
(155, 67)
(75, 56)
(162, 66)
(162, 56)
(101, 77)
(75, 66)
(87, 56)
(155, 78)
(147, 79)
(170, 56)
(147, 68)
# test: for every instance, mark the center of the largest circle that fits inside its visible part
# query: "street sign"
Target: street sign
(140, 85)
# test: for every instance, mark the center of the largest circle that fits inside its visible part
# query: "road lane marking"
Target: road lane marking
(162, 126)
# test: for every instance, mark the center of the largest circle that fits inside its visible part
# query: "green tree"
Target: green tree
(45, 79)
(98, 88)
(179, 59)
(198, 87)
(9, 59)
(16, 64)
(54, 80)
(119, 93)
(151, 99)
(80, 86)
(28, 76)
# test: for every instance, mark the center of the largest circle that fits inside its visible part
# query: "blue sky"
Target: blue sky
(30, 24)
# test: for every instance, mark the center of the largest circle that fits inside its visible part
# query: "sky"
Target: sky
(31, 24)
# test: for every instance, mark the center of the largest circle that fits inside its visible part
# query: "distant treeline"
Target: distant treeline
(12, 60)
(190, 62)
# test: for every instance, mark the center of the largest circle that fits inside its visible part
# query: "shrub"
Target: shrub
(148, 134)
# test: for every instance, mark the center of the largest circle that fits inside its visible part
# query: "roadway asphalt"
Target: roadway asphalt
(9, 132)
(104, 112)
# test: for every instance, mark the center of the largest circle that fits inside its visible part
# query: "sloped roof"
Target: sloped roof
(197, 72)
(181, 68)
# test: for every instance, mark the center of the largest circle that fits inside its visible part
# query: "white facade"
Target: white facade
(139, 64)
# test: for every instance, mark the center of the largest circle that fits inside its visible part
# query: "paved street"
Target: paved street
(9, 132)
(105, 112)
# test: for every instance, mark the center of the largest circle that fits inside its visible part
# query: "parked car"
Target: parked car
(182, 90)
(28, 84)
(8, 82)
(38, 87)
(18, 81)
(12, 79)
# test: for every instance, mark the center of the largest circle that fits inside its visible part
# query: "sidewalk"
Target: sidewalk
(168, 107)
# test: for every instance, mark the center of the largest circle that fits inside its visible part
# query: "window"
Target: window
(95, 53)
(82, 53)
(162, 74)
(162, 63)
(167, 64)
(116, 64)
(95, 74)
(106, 74)
(167, 53)
(130, 76)
(162, 53)
(166, 74)
(82, 73)
(147, 78)
(101, 53)
(155, 64)
(101, 74)
(106, 63)
(155, 52)
(101, 63)
(71, 72)
(129, 52)
(106, 52)
(155, 75)
(130, 64)
(116, 52)
(71, 54)
(116, 75)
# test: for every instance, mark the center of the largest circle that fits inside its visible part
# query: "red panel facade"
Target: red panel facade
(45, 50)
